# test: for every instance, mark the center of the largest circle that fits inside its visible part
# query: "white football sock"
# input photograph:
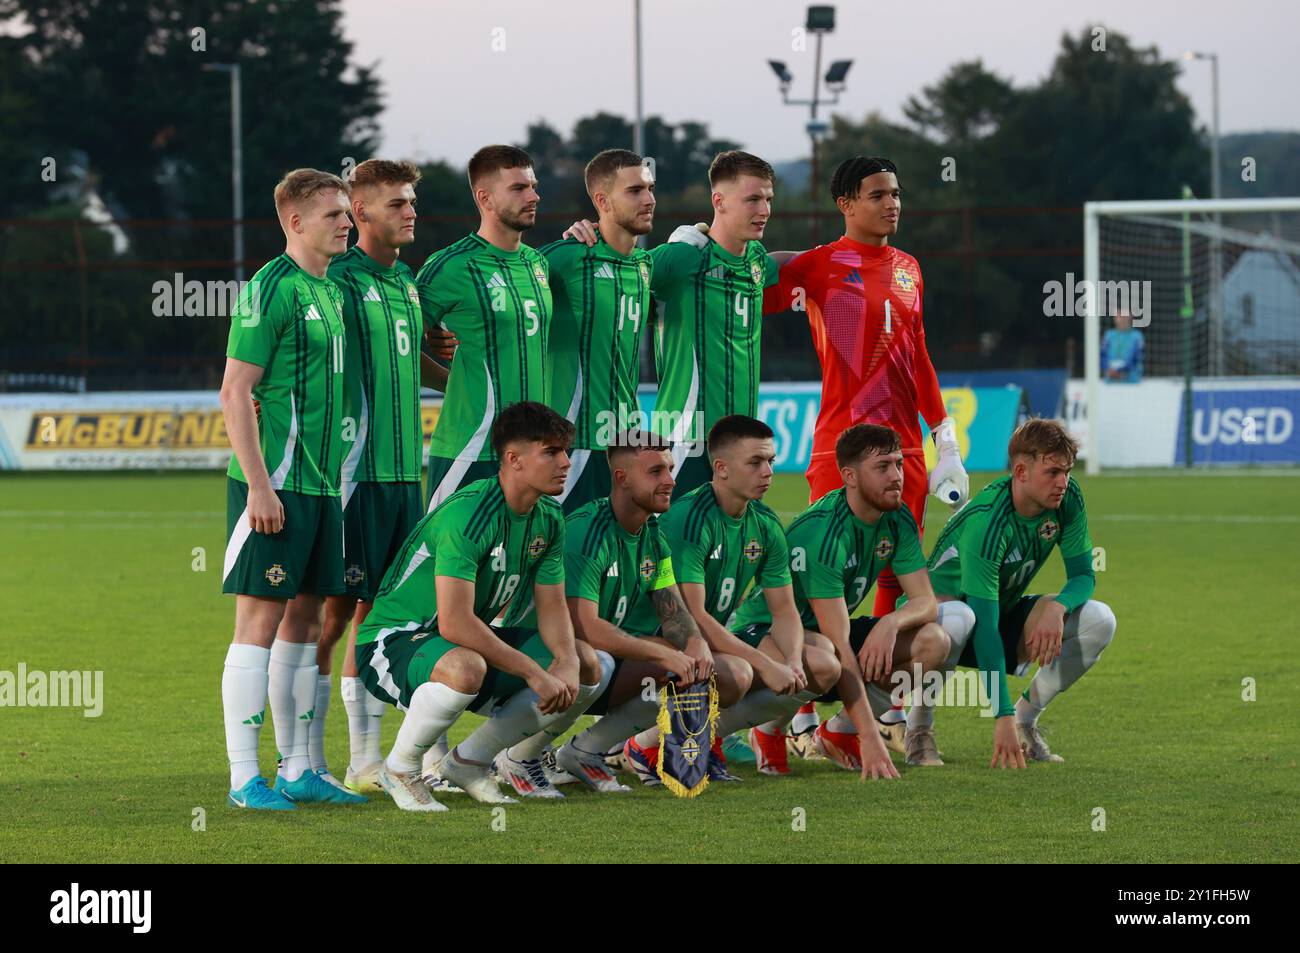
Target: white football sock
(434, 706)
(316, 735)
(512, 722)
(841, 722)
(958, 620)
(760, 706)
(291, 686)
(433, 757)
(618, 725)
(363, 726)
(1087, 633)
(530, 749)
(805, 719)
(243, 703)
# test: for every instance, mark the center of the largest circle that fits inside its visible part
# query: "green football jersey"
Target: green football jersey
(835, 555)
(722, 553)
(290, 324)
(707, 330)
(990, 551)
(602, 302)
(614, 569)
(473, 535)
(498, 304)
(382, 435)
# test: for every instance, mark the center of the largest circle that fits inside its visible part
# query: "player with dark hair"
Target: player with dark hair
(493, 293)
(494, 548)
(723, 538)
(601, 298)
(838, 547)
(709, 317)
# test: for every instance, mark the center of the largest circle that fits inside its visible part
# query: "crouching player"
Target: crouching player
(624, 600)
(426, 645)
(987, 555)
(722, 538)
(838, 547)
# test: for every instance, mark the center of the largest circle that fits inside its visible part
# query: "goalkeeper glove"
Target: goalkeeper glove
(697, 234)
(948, 480)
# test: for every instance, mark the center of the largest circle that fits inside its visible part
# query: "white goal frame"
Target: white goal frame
(1092, 213)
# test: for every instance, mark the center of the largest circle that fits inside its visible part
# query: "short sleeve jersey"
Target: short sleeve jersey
(473, 535)
(835, 555)
(290, 323)
(602, 304)
(498, 304)
(381, 379)
(722, 553)
(707, 325)
(614, 569)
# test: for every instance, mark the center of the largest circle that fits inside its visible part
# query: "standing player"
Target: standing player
(709, 294)
(986, 556)
(492, 292)
(838, 548)
(426, 645)
(602, 302)
(863, 299)
(722, 538)
(285, 521)
(382, 436)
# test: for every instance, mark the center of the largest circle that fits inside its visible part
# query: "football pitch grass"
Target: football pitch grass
(105, 573)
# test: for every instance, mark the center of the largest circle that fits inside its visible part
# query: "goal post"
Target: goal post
(1214, 287)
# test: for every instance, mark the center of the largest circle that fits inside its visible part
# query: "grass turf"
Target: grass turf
(102, 573)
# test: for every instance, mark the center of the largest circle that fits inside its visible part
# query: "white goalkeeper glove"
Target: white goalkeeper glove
(948, 480)
(697, 234)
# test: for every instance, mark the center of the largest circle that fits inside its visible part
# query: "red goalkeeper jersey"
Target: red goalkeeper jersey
(864, 309)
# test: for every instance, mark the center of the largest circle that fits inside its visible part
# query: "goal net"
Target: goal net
(1192, 333)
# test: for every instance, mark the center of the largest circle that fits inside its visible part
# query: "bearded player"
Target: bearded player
(602, 303)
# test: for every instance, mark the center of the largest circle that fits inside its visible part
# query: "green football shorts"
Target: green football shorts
(305, 556)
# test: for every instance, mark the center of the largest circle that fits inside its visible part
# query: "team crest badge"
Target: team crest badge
(645, 271)
(884, 548)
(903, 279)
(756, 271)
(753, 550)
(537, 546)
(276, 575)
(1047, 532)
(354, 575)
(412, 294)
(540, 274)
(647, 569)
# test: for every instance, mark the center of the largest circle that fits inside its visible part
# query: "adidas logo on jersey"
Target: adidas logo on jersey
(1014, 556)
(717, 553)
(853, 278)
(853, 561)
(496, 281)
(605, 271)
(612, 571)
(312, 314)
(717, 272)
(372, 294)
